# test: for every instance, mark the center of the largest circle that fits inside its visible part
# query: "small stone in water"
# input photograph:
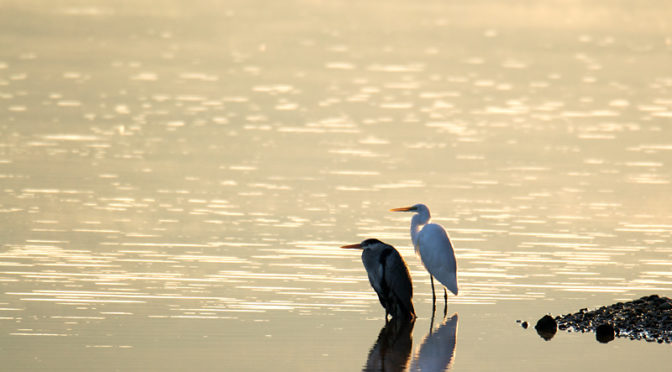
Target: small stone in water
(546, 327)
(604, 333)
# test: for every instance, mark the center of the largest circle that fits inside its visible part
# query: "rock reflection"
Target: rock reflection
(437, 351)
(392, 348)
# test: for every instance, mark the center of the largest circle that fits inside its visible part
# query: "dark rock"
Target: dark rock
(546, 327)
(604, 333)
(524, 325)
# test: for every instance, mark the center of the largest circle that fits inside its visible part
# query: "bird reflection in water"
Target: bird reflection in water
(437, 351)
(392, 350)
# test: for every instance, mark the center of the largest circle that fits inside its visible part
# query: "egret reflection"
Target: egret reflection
(392, 349)
(437, 351)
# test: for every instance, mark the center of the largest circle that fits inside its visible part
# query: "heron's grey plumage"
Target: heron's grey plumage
(389, 277)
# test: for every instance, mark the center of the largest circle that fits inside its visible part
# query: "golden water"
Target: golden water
(177, 179)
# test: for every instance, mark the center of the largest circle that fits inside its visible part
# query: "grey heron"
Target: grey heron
(389, 277)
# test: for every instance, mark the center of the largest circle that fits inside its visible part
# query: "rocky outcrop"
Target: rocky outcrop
(648, 318)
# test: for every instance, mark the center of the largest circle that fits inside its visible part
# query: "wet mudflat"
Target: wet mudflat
(177, 180)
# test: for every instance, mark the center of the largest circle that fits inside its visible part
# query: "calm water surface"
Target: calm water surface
(177, 179)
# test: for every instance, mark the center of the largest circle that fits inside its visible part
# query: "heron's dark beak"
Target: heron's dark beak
(402, 209)
(353, 246)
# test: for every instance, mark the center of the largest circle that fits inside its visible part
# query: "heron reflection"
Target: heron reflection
(392, 349)
(437, 350)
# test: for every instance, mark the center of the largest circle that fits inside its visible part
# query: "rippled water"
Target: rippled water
(177, 179)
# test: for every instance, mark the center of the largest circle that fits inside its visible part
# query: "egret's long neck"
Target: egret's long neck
(416, 224)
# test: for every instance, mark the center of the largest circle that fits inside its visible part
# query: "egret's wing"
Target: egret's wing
(399, 279)
(436, 253)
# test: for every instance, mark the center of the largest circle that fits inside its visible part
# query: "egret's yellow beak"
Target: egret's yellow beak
(402, 209)
(353, 246)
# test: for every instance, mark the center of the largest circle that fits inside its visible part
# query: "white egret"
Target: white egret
(433, 245)
(389, 277)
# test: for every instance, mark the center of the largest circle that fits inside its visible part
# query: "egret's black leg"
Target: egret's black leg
(445, 302)
(431, 278)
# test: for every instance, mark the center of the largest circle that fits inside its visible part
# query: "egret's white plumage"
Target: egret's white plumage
(389, 277)
(433, 245)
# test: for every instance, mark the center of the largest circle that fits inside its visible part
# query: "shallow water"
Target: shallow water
(177, 180)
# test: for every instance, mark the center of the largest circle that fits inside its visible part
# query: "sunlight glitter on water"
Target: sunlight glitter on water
(178, 183)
